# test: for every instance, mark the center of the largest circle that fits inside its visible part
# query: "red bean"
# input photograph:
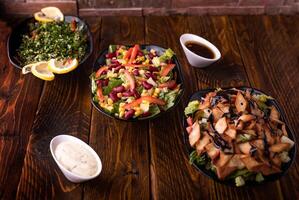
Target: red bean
(115, 61)
(147, 85)
(110, 55)
(136, 94)
(151, 55)
(129, 114)
(148, 75)
(113, 96)
(136, 72)
(105, 82)
(118, 89)
(127, 94)
(104, 72)
(140, 53)
(146, 114)
(153, 69)
(116, 69)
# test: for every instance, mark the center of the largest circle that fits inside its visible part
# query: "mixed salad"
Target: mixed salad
(135, 82)
(238, 135)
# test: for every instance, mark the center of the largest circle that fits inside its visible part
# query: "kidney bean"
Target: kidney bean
(169, 61)
(110, 55)
(148, 75)
(113, 96)
(116, 69)
(153, 69)
(105, 82)
(146, 114)
(136, 72)
(115, 61)
(118, 89)
(129, 114)
(151, 55)
(140, 53)
(127, 94)
(147, 85)
(136, 94)
(104, 72)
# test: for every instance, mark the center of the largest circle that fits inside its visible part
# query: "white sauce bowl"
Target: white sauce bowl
(194, 59)
(68, 174)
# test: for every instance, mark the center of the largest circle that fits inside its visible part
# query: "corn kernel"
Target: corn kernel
(102, 104)
(121, 114)
(110, 102)
(155, 95)
(157, 90)
(122, 105)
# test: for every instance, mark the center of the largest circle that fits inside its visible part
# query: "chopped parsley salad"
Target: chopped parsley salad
(135, 82)
(52, 40)
(238, 135)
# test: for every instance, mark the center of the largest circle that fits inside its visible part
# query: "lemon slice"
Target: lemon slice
(27, 69)
(39, 16)
(53, 13)
(62, 66)
(41, 71)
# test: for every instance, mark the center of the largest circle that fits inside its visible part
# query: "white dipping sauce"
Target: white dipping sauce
(76, 158)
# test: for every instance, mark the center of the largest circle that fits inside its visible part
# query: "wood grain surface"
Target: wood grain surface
(144, 160)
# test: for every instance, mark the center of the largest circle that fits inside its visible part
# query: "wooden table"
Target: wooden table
(144, 160)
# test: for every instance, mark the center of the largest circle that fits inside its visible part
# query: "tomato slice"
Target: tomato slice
(130, 79)
(100, 71)
(189, 121)
(150, 99)
(170, 84)
(100, 94)
(128, 54)
(134, 53)
(166, 69)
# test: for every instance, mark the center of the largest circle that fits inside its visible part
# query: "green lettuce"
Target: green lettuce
(192, 107)
(112, 84)
(167, 55)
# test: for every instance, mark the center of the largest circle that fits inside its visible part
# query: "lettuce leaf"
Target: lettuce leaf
(192, 107)
(170, 98)
(112, 84)
(167, 55)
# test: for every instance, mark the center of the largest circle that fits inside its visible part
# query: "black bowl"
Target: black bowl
(101, 60)
(285, 166)
(15, 39)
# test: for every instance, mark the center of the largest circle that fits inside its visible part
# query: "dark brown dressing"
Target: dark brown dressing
(200, 49)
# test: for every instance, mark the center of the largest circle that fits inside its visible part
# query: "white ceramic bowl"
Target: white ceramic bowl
(68, 174)
(194, 59)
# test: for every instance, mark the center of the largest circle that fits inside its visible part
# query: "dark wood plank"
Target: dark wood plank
(19, 97)
(122, 146)
(64, 108)
(270, 54)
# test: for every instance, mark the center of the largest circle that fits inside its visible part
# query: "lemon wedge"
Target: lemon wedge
(53, 13)
(39, 16)
(62, 66)
(27, 69)
(40, 70)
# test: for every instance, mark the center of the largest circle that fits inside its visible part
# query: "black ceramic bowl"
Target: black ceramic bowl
(15, 39)
(101, 60)
(285, 166)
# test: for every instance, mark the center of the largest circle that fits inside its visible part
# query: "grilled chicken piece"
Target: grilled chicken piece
(241, 103)
(246, 117)
(240, 125)
(276, 161)
(274, 114)
(221, 125)
(207, 101)
(279, 147)
(231, 132)
(200, 145)
(217, 113)
(245, 147)
(223, 107)
(195, 134)
(268, 170)
(259, 143)
(212, 151)
(251, 125)
(251, 164)
(270, 138)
